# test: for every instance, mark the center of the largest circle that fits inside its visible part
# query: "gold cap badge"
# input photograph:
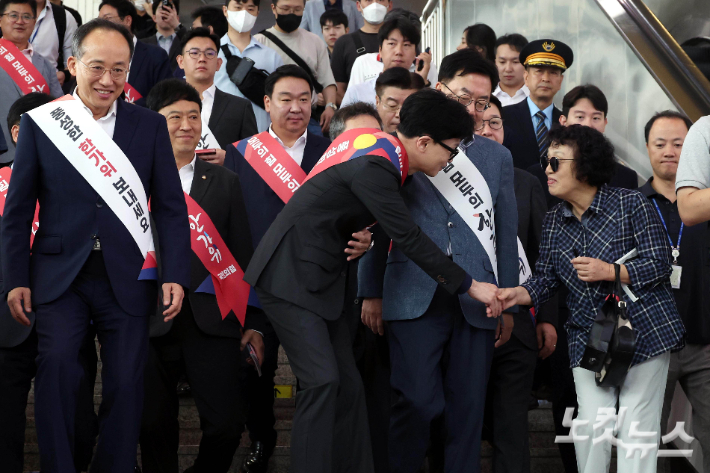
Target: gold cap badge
(548, 46)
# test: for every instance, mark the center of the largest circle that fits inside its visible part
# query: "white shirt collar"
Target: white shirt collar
(28, 51)
(209, 92)
(111, 111)
(301, 139)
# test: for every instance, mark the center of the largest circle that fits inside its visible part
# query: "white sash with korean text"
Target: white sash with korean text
(100, 161)
(464, 187)
(207, 139)
(524, 270)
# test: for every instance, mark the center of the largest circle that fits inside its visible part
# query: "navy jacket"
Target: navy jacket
(407, 290)
(520, 134)
(72, 213)
(149, 66)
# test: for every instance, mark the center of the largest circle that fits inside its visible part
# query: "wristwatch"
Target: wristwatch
(332, 105)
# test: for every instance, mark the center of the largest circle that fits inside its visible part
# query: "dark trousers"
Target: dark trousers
(330, 431)
(440, 365)
(212, 366)
(62, 326)
(258, 391)
(509, 387)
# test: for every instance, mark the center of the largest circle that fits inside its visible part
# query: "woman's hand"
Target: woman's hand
(593, 269)
(488, 294)
(514, 296)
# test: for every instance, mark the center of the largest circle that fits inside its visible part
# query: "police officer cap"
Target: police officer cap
(547, 52)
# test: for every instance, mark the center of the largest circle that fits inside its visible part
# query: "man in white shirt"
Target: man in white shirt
(511, 89)
(225, 118)
(45, 37)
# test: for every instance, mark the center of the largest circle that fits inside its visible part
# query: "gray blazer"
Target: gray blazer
(406, 290)
(315, 8)
(11, 92)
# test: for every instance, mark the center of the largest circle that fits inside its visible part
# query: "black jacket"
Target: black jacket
(520, 134)
(232, 119)
(174, 47)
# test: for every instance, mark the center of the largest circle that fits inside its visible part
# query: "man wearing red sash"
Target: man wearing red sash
(201, 342)
(91, 245)
(21, 70)
(299, 274)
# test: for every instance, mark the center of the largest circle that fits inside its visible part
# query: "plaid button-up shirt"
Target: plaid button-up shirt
(618, 221)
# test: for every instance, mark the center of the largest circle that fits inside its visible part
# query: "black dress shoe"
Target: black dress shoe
(257, 460)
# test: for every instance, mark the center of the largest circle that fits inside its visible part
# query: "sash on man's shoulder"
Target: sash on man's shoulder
(20, 69)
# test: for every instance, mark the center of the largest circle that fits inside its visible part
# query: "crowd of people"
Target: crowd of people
(453, 228)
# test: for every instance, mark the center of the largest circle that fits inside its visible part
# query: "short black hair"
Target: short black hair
(31, 3)
(593, 154)
(200, 32)
(408, 15)
(399, 77)
(494, 101)
(666, 114)
(429, 112)
(174, 3)
(124, 8)
(357, 109)
(484, 37)
(405, 27)
(169, 91)
(256, 2)
(589, 92)
(275, 2)
(282, 72)
(335, 16)
(23, 105)
(98, 24)
(516, 42)
(210, 15)
(467, 61)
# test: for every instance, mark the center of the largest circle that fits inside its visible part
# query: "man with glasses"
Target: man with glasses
(17, 21)
(149, 64)
(392, 88)
(226, 119)
(92, 246)
(441, 345)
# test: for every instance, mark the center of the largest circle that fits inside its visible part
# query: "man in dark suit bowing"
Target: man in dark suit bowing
(288, 92)
(225, 117)
(529, 122)
(149, 64)
(93, 243)
(199, 343)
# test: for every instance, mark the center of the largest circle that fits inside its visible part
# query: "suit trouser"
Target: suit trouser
(62, 326)
(509, 387)
(691, 367)
(440, 364)
(330, 431)
(641, 394)
(213, 367)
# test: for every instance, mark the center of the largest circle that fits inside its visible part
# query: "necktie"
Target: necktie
(541, 134)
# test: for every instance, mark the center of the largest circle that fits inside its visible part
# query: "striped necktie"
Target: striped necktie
(541, 134)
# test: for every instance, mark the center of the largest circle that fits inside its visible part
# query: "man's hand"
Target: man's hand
(546, 339)
(514, 296)
(170, 16)
(19, 299)
(426, 57)
(503, 332)
(360, 245)
(216, 158)
(321, 100)
(372, 314)
(325, 119)
(61, 78)
(593, 269)
(174, 292)
(256, 340)
(488, 294)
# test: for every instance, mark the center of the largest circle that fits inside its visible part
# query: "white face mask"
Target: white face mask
(140, 5)
(242, 20)
(374, 13)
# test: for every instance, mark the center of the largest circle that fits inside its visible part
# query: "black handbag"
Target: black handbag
(612, 340)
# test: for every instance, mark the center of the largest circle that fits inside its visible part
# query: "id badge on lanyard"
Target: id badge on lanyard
(675, 250)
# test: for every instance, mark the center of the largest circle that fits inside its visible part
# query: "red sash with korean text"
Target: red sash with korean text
(273, 164)
(20, 69)
(131, 93)
(360, 142)
(227, 277)
(5, 174)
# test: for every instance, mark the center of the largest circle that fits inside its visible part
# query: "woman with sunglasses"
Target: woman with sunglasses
(582, 237)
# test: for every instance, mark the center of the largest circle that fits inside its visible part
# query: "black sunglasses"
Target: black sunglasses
(553, 162)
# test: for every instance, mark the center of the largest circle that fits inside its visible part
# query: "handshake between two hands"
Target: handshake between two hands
(495, 298)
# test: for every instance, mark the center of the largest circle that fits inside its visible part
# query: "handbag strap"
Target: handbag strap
(295, 57)
(621, 304)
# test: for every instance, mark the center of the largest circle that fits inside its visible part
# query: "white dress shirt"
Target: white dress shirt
(44, 36)
(208, 103)
(107, 122)
(296, 151)
(165, 42)
(505, 99)
(187, 172)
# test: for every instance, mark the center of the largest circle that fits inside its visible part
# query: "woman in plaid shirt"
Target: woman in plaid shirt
(581, 239)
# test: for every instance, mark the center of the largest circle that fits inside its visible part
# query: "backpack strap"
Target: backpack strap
(295, 57)
(359, 45)
(60, 21)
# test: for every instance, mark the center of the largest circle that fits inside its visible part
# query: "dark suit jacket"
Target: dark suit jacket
(300, 258)
(12, 333)
(174, 48)
(72, 212)
(263, 205)
(218, 192)
(148, 67)
(232, 119)
(520, 134)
